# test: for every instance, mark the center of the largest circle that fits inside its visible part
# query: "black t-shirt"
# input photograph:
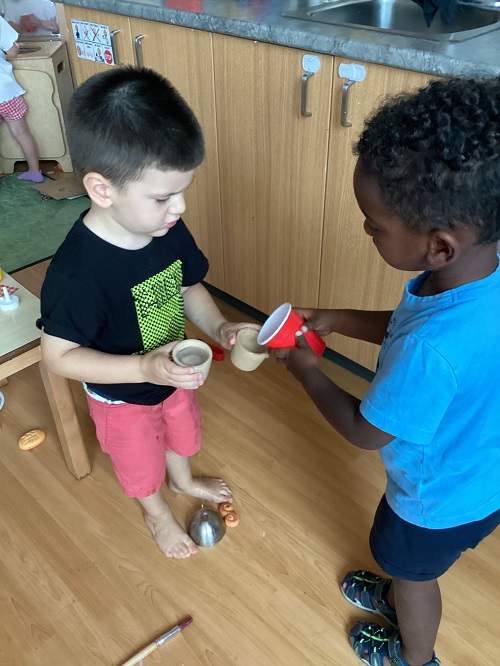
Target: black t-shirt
(121, 301)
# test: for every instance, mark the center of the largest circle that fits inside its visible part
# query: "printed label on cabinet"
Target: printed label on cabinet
(92, 41)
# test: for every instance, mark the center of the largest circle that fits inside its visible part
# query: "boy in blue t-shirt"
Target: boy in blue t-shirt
(117, 290)
(427, 181)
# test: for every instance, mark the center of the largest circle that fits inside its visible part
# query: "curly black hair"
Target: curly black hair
(436, 156)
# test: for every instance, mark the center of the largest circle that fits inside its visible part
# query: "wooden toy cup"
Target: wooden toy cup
(246, 353)
(193, 354)
(280, 327)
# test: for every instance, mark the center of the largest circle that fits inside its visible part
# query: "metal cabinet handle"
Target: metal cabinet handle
(138, 50)
(303, 95)
(352, 72)
(114, 46)
(345, 104)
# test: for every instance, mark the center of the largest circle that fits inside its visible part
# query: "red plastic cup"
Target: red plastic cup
(280, 327)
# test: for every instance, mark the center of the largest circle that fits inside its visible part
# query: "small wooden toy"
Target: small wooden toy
(232, 519)
(225, 508)
(31, 439)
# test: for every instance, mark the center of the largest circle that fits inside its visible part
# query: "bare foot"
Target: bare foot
(170, 537)
(206, 488)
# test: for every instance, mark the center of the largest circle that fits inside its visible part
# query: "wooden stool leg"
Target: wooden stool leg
(63, 409)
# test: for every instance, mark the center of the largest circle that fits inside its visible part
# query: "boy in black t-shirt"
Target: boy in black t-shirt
(117, 290)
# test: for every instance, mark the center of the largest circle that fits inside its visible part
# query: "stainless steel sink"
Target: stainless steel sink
(403, 17)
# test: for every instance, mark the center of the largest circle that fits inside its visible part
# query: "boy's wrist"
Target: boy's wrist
(219, 329)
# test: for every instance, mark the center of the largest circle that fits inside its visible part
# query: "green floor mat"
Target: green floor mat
(31, 227)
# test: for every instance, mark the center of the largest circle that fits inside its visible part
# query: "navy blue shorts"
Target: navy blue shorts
(416, 553)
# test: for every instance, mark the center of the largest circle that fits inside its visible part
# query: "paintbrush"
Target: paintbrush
(136, 658)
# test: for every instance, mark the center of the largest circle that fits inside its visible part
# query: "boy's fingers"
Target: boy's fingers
(280, 354)
(301, 341)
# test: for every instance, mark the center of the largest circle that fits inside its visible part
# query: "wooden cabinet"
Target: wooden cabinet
(183, 56)
(353, 275)
(272, 163)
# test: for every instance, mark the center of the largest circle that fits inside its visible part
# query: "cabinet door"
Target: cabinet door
(353, 275)
(123, 52)
(184, 57)
(272, 170)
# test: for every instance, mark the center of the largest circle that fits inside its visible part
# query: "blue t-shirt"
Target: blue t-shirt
(437, 391)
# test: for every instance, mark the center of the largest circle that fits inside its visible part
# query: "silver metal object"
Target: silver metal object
(345, 104)
(352, 73)
(114, 46)
(206, 527)
(138, 50)
(310, 64)
(404, 17)
(303, 95)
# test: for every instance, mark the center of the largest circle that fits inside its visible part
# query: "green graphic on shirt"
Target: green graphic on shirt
(160, 307)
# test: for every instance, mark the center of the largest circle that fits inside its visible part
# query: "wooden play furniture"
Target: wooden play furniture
(42, 69)
(20, 348)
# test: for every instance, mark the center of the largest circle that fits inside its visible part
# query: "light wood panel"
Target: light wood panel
(18, 363)
(272, 171)
(184, 57)
(17, 327)
(353, 275)
(82, 69)
(84, 584)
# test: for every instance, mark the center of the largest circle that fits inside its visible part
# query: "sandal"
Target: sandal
(367, 591)
(377, 642)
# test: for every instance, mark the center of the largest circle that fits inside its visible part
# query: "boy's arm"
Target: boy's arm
(340, 409)
(201, 309)
(367, 325)
(70, 360)
(13, 51)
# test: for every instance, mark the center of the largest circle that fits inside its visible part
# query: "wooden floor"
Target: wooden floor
(83, 583)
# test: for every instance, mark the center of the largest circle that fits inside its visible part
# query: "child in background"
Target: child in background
(427, 181)
(116, 292)
(13, 107)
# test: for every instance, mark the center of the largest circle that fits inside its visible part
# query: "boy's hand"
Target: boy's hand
(298, 360)
(158, 368)
(226, 333)
(319, 320)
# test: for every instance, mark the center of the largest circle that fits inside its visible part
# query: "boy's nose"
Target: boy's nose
(178, 205)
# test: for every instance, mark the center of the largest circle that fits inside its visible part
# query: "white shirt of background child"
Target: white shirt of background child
(9, 87)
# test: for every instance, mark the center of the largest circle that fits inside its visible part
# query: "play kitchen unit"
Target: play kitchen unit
(282, 100)
(42, 69)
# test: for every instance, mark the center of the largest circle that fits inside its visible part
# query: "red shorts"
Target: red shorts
(136, 437)
(14, 109)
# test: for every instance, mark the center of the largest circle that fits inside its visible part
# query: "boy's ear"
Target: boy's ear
(98, 188)
(443, 248)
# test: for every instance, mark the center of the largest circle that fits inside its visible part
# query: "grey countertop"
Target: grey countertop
(261, 20)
